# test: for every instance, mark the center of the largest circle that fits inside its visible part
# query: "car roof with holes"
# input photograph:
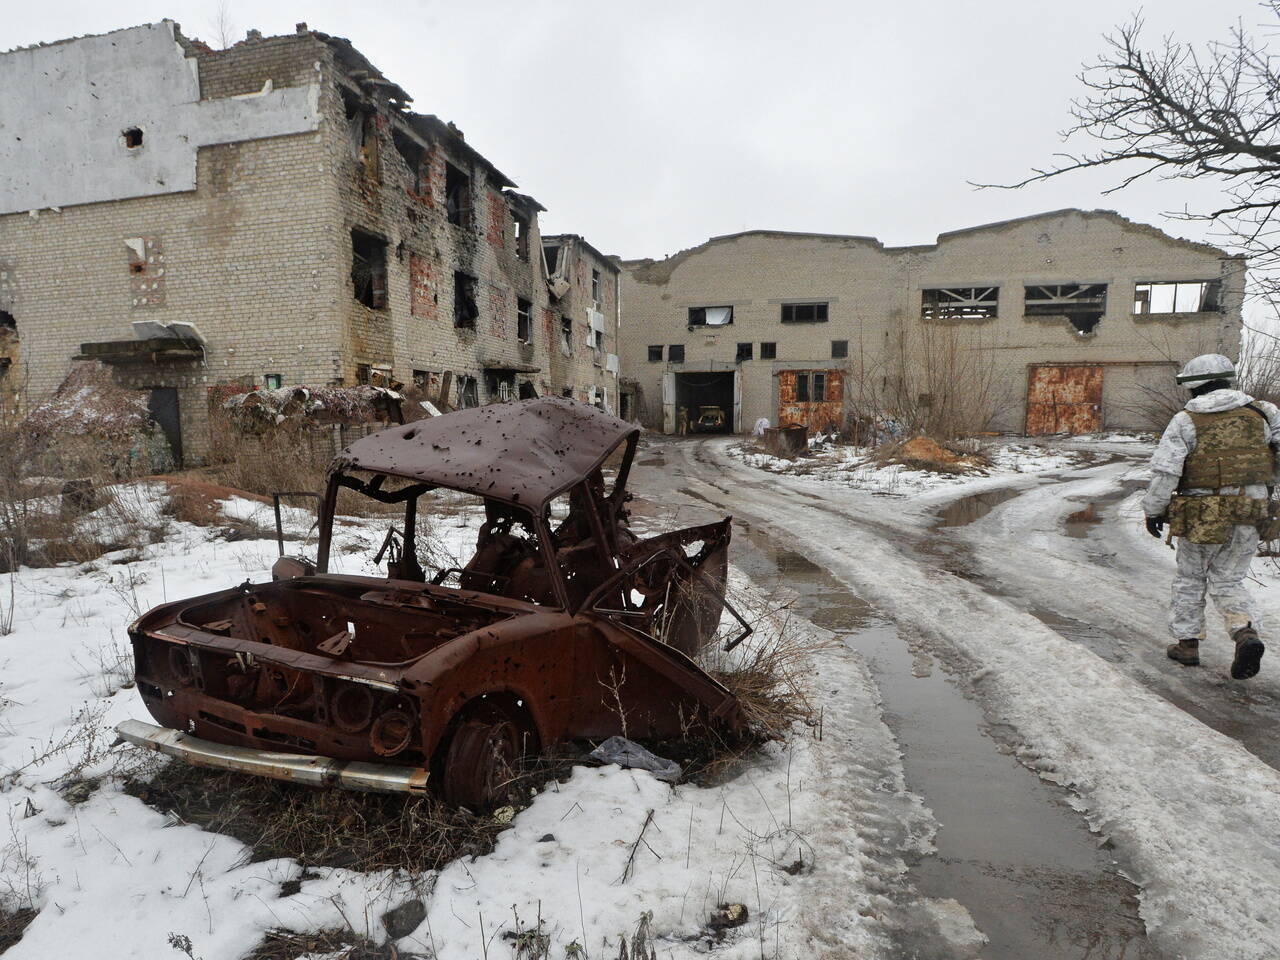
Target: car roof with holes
(522, 452)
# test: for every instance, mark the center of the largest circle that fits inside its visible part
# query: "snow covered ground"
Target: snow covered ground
(855, 467)
(1164, 768)
(809, 836)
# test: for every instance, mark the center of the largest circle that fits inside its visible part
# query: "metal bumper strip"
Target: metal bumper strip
(296, 768)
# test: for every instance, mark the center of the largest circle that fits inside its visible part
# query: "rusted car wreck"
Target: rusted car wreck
(562, 626)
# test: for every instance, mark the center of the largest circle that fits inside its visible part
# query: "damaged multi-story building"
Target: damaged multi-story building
(266, 215)
(584, 357)
(1069, 321)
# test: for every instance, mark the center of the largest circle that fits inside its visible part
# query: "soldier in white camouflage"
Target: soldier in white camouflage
(1213, 479)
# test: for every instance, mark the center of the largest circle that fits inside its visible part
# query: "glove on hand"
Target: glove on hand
(1155, 526)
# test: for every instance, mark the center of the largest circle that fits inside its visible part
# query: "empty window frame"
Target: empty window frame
(745, 352)
(1081, 303)
(465, 310)
(369, 269)
(1191, 296)
(524, 320)
(421, 379)
(272, 381)
(710, 316)
(804, 313)
(566, 336)
(551, 256)
(959, 303)
(768, 350)
(414, 159)
(811, 387)
(655, 353)
(364, 373)
(457, 195)
(839, 349)
(520, 224)
(595, 286)
(675, 353)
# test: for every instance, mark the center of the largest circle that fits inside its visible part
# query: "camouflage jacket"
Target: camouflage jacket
(1179, 440)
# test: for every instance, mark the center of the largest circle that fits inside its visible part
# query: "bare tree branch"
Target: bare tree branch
(1178, 112)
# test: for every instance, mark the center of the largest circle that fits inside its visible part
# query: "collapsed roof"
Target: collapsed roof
(524, 453)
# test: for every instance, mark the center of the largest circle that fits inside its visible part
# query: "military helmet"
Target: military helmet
(1208, 366)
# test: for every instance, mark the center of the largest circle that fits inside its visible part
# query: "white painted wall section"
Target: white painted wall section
(64, 108)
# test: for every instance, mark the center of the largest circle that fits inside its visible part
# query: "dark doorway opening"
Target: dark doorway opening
(162, 405)
(707, 399)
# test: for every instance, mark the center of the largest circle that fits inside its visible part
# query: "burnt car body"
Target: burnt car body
(562, 626)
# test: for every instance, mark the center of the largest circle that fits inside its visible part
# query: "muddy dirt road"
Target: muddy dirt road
(1011, 847)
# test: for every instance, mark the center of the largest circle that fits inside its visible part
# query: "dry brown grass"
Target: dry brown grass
(340, 944)
(318, 827)
(925, 453)
(12, 924)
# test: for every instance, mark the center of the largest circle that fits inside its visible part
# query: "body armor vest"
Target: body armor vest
(1231, 451)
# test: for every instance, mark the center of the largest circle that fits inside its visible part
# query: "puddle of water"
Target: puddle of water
(1079, 523)
(1008, 847)
(973, 507)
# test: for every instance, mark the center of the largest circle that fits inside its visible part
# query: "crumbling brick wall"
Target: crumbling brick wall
(874, 305)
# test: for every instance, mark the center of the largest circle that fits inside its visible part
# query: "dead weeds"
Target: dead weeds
(318, 827)
(925, 453)
(12, 925)
(337, 944)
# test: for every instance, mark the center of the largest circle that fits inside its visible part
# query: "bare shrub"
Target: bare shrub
(74, 455)
(937, 380)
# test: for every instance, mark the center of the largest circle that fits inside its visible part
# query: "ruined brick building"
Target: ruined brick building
(1070, 321)
(266, 215)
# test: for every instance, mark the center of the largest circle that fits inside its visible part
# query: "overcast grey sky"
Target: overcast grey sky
(648, 127)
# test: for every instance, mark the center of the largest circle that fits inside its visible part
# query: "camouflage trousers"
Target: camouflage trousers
(1217, 569)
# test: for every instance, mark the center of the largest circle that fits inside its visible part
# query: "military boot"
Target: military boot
(1249, 650)
(1186, 652)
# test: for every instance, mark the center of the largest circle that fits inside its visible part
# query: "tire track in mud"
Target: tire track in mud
(1010, 849)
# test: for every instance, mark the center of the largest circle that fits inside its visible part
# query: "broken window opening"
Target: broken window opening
(500, 385)
(745, 352)
(7, 321)
(655, 353)
(364, 373)
(414, 157)
(710, 316)
(1083, 304)
(595, 287)
(768, 350)
(551, 254)
(362, 131)
(804, 313)
(675, 353)
(839, 349)
(465, 311)
(566, 336)
(272, 381)
(421, 379)
(457, 193)
(811, 387)
(524, 320)
(369, 269)
(567, 392)
(520, 224)
(959, 303)
(1195, 296)
(132, 137)
(802, 388)
(468, 391)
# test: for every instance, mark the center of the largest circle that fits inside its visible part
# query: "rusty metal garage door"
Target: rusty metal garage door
(814, 398)
(1064, 398)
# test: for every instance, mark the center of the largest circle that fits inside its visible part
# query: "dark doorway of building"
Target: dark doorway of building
(707, 402)
(527, 390)
(162, 404)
